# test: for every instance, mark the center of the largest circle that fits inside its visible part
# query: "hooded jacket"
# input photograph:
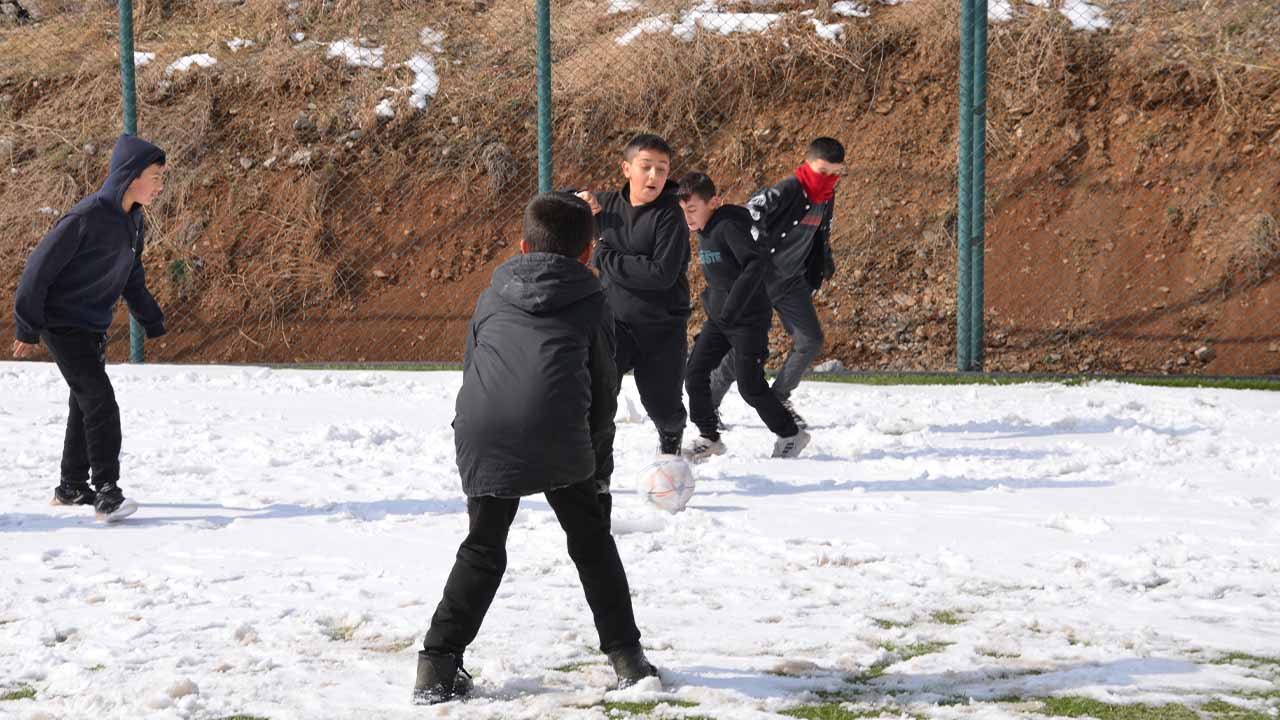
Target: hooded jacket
(539, 386)
(91, 257)
(735, 267)
(643, 257)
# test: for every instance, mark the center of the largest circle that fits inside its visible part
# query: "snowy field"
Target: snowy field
(939, 552)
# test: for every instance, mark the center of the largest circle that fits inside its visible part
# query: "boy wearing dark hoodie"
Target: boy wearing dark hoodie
(738, 318)
(535, 415)
(793, 219)
(66, 297)
(643, 259)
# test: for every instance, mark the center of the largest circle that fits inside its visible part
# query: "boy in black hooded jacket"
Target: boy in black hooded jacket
(738, 317)
(68, 292)
(535, 415)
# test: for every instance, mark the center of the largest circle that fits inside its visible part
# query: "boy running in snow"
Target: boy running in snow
(738, 318)
(643, 259)
(793, 219)
(535, 415)
(68, 291)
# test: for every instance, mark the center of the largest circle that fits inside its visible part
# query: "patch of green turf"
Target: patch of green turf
(890, 624)
(837, 711)
(946, 617)
(1222, 710)
(1084, 707)
(915, 650)
(26, 692)
(573, 667)
(1236, 658)
(369, 367)
(244, 717)
(98, 668)
(642, 708)
(999, 655)
(965, 379)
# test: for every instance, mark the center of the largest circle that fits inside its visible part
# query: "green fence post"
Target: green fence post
(544, 95)
(977, 218)
(964, 360)
(130, 97)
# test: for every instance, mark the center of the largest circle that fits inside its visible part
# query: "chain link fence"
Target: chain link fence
(344, 175)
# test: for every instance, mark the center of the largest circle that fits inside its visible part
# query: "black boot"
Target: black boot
(669, 442)
(441, 678)
(631, 666)
(73, 494)
(111, 503)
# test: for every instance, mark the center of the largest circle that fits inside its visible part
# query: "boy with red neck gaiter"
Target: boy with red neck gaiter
(793, 220)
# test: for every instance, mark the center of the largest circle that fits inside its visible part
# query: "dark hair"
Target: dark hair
(825, 148)
(646, 141)
(695, 183)
(558, 223)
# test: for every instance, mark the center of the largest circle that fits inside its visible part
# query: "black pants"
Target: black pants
(746, 349)
(92, 442)
(482, 559)
(657, 355)
(793, 301)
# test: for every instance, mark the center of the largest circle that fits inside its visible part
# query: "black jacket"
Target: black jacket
(735, 267)
(91, 257)
(643, 257)
(539, 386)
(774, 212)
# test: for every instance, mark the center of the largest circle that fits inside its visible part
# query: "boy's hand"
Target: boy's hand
(590, 199)
(22, 351)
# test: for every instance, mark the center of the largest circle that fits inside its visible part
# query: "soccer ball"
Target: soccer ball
(667, 483)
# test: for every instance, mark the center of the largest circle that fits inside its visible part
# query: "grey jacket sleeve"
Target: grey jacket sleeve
(47, 261)
(604, 397)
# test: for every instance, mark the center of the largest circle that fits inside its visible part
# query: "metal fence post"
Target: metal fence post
(964, 338)
(977, 218)
(130, 101)
(544, 95)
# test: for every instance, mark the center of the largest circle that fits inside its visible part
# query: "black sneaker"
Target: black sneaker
(631, 666)
(80, 494)
(720, 426)
(669, 443)
(441, 678)
(111, 504)
(791, 410)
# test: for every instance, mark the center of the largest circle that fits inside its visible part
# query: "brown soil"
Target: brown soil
(1133, 176)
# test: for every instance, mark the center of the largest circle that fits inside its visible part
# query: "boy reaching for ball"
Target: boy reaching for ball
(535, 415)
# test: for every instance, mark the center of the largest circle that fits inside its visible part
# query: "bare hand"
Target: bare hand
(22, 350)
(590, 199)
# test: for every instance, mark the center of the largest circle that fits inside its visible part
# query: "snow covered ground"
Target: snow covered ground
(938, 551)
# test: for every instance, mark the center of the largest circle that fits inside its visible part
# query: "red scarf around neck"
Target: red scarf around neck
(820, 188)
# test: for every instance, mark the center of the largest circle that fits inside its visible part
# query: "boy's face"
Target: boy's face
(148, 186)
(822, 167)
(646, 172)
(698, 211)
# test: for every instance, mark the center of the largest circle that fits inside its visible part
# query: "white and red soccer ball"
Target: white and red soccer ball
(667, 483)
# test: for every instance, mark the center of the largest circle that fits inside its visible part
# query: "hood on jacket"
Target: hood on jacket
(544, 282)
(129, 158)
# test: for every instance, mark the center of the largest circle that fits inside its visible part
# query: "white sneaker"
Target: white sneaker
(789, 447)
(124, 510)
(702, 448)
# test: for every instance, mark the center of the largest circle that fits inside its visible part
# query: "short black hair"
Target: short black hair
(559, 223)
(696, 183)
(646, 141)
(825, 148)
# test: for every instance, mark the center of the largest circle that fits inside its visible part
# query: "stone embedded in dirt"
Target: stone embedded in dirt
(1273, 348)
(90, 149)
(830, 366)
(1054, 358)
(1206, 354)
(300, 158)
(305, 129)
(246, 163)
(1182, 361)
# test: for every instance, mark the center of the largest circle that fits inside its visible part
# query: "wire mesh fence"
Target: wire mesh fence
(344, 175)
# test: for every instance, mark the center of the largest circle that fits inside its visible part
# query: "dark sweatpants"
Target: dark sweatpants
(92, 442)
(482, 559)
(746, 349)
(793, 301)
(656, 353)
